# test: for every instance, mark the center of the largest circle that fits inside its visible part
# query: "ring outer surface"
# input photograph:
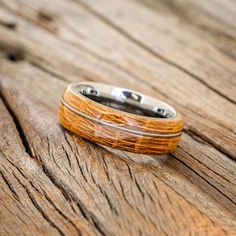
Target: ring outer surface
(118, 129)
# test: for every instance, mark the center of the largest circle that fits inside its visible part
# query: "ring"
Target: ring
(120, 118)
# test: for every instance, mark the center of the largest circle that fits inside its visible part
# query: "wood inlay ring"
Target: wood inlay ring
(120, 118)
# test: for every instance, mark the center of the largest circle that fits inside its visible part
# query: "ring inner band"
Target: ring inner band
(126, 100)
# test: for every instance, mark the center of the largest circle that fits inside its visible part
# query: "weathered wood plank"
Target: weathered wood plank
(196, 124)
(30, 202)
(208, 17)
(60, 61)
(102, 185)
(172, 172)
(153, 73)
(171, 41)
(43, 48)
(215, 20)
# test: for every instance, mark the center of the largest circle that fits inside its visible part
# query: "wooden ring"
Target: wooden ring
(120, 118)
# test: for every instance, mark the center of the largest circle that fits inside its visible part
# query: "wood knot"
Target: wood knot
(46, 20)
(12, 52)
(8, 23)
(45, 16)
(15, 55)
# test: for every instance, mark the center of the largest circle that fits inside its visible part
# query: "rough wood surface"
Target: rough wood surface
(54, 183)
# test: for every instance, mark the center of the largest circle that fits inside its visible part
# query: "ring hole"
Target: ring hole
(127, 101)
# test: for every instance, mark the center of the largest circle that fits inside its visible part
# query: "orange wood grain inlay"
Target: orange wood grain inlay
(118, 129)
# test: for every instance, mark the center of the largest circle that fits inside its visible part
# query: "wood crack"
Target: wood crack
(68, 194)
(40, 210)
(17, 124)
(112, 207)
(195, 135)
(50, 152)
(67, 155)
(106, 170)
(208, 182)
(18, 217)
(76, 156)
(210, 170)
(45, 216)
(9, 185)
(61, 213)
(92, 218)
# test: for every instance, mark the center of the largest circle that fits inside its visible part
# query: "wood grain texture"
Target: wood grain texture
(94, 129)
(71, 186)
(58, 59)
(97, 185)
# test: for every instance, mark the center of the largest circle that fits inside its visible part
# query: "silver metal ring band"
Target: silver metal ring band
(126, 100)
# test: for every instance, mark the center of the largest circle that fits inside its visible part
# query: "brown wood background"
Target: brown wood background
(53, 183)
